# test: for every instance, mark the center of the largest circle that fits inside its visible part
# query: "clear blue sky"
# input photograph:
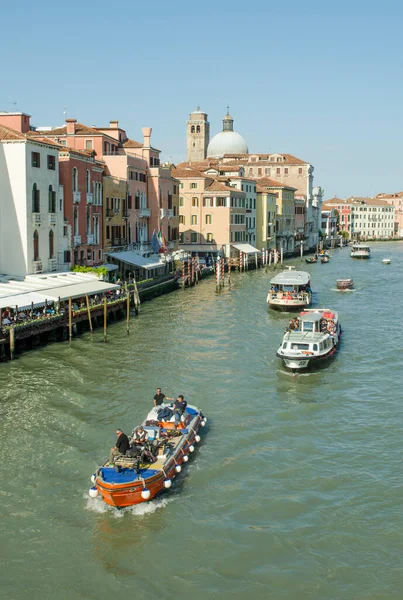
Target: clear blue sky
(319, 80)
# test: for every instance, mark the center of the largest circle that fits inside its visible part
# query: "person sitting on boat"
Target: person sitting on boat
(179, 407)
(160, 398)
(121, 446)
(139, 436)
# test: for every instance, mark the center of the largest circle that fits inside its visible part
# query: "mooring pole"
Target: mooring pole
(12, 342)
(70, 319)
(88, 311)
(127, 308)
(105, 320)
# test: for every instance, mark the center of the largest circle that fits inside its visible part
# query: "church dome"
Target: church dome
(227, 142)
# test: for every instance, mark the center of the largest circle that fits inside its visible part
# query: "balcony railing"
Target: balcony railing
(76, 197)
(52, 264)
(52, 219)
(119, 241)
(89, 198)
(36, 218)
(77, 240)
(90, 238)
(37, 266)
(144, 212)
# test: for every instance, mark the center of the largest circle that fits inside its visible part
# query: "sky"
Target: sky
(322, 81)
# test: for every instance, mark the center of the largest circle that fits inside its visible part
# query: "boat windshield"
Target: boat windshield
(308, 326)
(299, 346)
(288, 288)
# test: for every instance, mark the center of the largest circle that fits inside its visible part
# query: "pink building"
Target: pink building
(397, 201)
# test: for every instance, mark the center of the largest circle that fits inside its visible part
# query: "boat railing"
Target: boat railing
(288, 295)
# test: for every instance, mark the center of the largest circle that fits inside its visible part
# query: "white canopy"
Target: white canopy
(132, 258)
(246, 248)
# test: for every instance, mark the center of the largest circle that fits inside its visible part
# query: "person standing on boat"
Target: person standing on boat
(159, 398)
(121, 446)
(179, 407)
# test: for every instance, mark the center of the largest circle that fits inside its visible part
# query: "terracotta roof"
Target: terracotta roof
(216, 186)
(132, 144)
(265, 159)
(265, 181)
(186, 173)
(200, 166)
(264, 190)
(367, 201)
(80, 129)
(6, 133)
(334, 200)
(229, 167)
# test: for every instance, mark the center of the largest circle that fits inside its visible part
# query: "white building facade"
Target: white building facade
(31, 205)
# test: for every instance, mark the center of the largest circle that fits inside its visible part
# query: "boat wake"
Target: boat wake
(97, 505)
(337, 290)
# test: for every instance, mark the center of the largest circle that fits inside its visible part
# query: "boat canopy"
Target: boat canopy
(311, 317)
(291, 278)
(360, 247)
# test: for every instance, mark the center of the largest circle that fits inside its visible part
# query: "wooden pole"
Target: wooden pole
(12, 342)
(127, 309)
(70, 323)
(89, 311)
(217, 275)
(256, 260)
(105, 319)
(183, 274)
(229, 271)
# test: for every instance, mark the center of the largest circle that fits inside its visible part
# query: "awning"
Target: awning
(199, 247)
(110, 267)
(132, 258)
(246, 248)
(77, 291)
(23, 301)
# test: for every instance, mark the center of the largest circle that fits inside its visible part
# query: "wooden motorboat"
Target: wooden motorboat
(345, 284)
(310, 339)
(290, 290)
(311, 260)
(131, 481)
(386, 261)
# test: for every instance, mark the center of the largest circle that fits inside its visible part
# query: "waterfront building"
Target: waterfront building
(342, 212)
(364, 218)
(115, 212)
(300, 225)
(31, 201)
(266, 207)
(285, 213)
(212, 213)
(397, 201)
(329, 224)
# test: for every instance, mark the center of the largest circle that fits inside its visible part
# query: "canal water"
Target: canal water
(295, 491)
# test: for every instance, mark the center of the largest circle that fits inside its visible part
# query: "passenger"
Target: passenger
(179, 407)
(160, 398)
(139, 435)
(121, 446)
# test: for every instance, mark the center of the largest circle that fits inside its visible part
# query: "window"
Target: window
(181, 238)
(51, 244)
(198, 129)
(209, 237)
(88, 145)
(87, 181)
(75, 222)
(192, 129)
(52, 200)
(36, 199)
(88, 222)
(259, 171)
(286, 171)
(36, 245)
(35, 159)
(182, 185)
(299, 170)
(193, 185)
(267, 171)
(209, 219)
(181, 201)
(51, 162)
(194, 219)
(67, 256)
(64, 143)
(108, 235)
(195, 202)
(193, 238)
(278, 171)
(182, 219)
(75, 179)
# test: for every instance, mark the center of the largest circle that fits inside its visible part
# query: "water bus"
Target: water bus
(360, 251)
(290, 290)
(311, 338)
(345, 284)
(135, 479)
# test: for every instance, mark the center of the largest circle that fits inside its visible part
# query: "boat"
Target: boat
(311, 260)
(345, 284)
(290, 290)
(323, 253)
(310, 339)
(360, 251)
(386, 261)
(324, 259)
(130, 480)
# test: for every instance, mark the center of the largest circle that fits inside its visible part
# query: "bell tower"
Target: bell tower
(197, 136)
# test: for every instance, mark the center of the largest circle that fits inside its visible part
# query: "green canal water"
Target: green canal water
(295, 491)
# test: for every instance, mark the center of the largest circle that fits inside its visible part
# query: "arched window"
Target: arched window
(51, 244)
(192, 129)
(75, 221)
(75, 180)
(198, 129)
(88, 222)
(36, 199)
(36, 245)
(52, 200)
(88, 182)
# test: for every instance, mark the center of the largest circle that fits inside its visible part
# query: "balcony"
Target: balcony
(116, 241)
(52, 219)
(76, 197)
(144, 213)
(125, 213)
(37, 266)
(77, 240)
(90, 238)
(89, 198)
(52, 264)
(110, 212)
(36, 219)
(170, 213)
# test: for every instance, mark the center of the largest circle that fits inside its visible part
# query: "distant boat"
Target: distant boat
(311, 260)
(324, 259)
(360, 251)
(345, 284)
(386, 261)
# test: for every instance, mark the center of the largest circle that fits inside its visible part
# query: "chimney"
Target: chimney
(71, 126)
(147, 134)
(114, 124)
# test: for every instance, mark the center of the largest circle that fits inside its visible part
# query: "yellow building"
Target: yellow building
(115, 212)
(285, 213)
(266, 207)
